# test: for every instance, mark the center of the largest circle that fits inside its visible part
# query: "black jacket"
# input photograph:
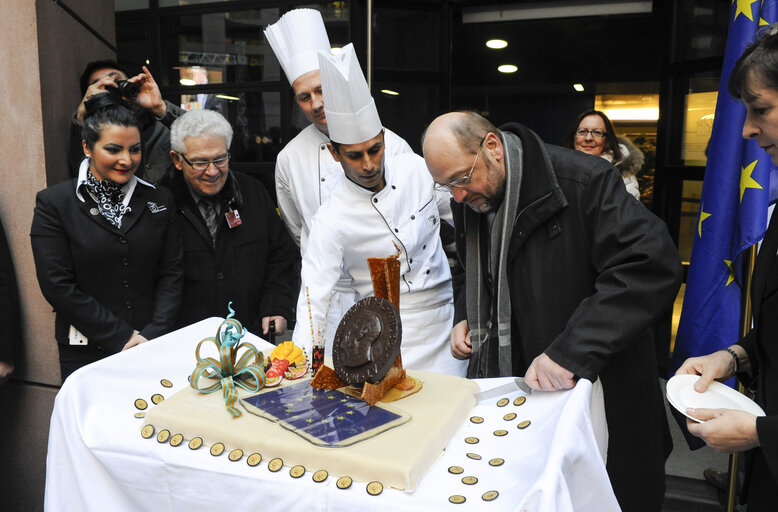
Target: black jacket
(105, 281)
(591, 272)
(760, 344)
(254, 265)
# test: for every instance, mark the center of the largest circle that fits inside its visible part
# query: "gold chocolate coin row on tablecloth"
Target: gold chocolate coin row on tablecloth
(495, 462)
(373, 488)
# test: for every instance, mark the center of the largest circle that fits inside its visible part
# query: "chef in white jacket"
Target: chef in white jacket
(384, 201)
(305, 170)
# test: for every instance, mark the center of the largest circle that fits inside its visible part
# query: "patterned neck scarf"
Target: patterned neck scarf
(109, 196)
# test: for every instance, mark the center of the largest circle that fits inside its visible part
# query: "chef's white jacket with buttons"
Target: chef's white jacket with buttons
(356, 224)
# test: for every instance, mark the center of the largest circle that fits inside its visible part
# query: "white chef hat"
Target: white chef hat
(352, 117)
(295, 39)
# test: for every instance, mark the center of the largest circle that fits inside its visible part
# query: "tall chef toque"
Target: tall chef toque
(352, 117)
(296, 39)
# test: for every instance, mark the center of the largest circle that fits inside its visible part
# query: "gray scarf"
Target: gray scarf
(487, 360)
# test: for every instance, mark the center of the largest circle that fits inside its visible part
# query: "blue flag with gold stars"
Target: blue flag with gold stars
(733, 207)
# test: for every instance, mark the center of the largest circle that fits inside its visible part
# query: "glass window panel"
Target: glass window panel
(229, 45)
(422, 54)
(699, 111)
(130, 5)
(255, 117)
(704, 32)
(690, 206)
(402, 112)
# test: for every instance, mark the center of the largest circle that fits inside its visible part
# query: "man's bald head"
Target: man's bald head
(451, 146)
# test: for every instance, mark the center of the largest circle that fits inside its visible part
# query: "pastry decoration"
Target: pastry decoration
(229, 370)
(366, 348)
(287, 360)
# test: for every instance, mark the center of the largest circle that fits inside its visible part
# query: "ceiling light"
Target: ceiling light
(390, 92)
(187, 81)
(507, 68)
(225, 97)
(148, 62)
(496, 44)
(578, 87)
(554, 10)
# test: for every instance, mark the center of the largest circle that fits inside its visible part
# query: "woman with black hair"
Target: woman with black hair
(592, 132)
(106, 245)
(754, 358)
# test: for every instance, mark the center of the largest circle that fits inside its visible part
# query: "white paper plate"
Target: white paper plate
(681, 394)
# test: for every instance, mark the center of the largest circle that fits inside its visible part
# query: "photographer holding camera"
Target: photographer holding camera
(154, 114)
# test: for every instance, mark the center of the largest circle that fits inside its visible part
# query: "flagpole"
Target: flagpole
(745, 328)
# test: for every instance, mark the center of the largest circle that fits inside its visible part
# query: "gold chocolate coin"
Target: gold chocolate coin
(500, 433)
(166, 383)
(147, 431)
(235, 455)
(141, 404)
(519, 401)
(157, 398)
(163, 436)
(320, 475)
(502, 402)
(297, 471)
(471, 440)
(140, 414)
(374, 488)
(275, 465)
(254, 459)
(497, 462)
(510, 416)
(344, 482)
(176, 440)
(490, 495)
(473, 456)
(456, 499)
(217, 449)
(455, 470)
(469, 480)
(195, 443)
(477, 419)
(524, 424)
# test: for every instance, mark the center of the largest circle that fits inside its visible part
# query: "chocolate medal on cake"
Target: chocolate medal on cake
(367, 341)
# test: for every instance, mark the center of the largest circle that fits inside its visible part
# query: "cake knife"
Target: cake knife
(518, 383)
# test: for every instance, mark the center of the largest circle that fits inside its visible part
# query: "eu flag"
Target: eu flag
(733, 207)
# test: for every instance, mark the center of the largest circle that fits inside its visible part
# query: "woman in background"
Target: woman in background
(106, 246)
(592, 132)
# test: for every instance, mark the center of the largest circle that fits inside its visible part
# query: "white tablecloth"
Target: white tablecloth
(97, 459)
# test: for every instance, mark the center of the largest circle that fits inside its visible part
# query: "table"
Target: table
(97, 459)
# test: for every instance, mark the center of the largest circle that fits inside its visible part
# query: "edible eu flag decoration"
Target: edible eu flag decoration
(733, 206)
(324, 418)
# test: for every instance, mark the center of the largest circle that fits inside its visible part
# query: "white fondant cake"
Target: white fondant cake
(397, 458)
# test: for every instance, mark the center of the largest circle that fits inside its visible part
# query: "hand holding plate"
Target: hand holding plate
(726, 430)
(716, 366)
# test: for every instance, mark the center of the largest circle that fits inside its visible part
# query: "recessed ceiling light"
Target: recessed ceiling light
(507, 68)
(225, 97)
(336, 50)
(578, 87)
(148, 62)
(496, 44)
(187, 81)
(390, 92)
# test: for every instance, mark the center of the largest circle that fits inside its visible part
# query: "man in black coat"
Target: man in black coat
(563, 276)
(235, 246)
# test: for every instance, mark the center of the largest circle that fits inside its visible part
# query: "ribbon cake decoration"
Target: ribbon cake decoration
(245, 371)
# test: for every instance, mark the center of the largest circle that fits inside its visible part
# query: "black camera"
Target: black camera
(125, 88)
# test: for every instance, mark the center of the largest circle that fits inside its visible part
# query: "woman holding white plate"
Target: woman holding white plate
(754, 80)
